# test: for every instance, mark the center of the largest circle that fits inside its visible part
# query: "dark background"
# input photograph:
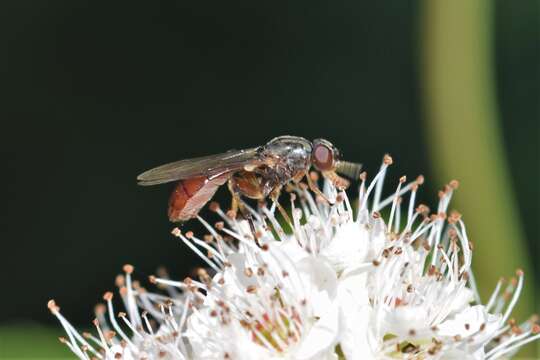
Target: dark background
(93, 93)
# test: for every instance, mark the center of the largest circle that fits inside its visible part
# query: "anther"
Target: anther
(128, 269)
(219, 225)
(108, 296)
(231, 214)
(51, 304)
(99, 309)
(176, 232)
(120, 280)
(387, 159)
(208, 238)
(214, 206)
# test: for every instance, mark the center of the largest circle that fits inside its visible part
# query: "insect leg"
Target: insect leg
(313, 187)
(337, 180)
(274, 195)
(237, 204)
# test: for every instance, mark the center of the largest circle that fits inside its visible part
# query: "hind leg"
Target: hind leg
(247, 185)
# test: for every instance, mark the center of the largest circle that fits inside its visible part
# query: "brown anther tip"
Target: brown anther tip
(363, 176)
(62, 339)
(123, 291)
(86, 335)
(231, 214)
(100, 309)
(387, 159)
(189, 234)
(251, 289)
(51, 304)
(535, 329)
(420, 179)
(313, 175)
(119, 280)
(422, 209)
(403, 179)
(201, 272)
(95, 322)
(454, 184)
(376, 263)
(128, 269)
(519, 272)
(122, 314)
(208, 238)
(219, 225)
(293, 196)
(214, 206)
(176, 232)
(152, 279)
(264, 247)
(108, 296)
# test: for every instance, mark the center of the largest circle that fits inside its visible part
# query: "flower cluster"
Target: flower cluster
(341, 283)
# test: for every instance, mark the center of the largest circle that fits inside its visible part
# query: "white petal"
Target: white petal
(320, 281)
(354, 319)
(322, 337)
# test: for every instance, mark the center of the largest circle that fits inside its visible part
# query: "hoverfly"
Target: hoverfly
(255, 173)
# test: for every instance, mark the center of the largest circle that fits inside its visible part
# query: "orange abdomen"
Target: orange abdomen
(190, 195)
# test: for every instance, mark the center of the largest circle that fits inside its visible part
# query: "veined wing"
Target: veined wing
(210, 166)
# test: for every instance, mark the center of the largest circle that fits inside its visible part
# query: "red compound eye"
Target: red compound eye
(323, 158)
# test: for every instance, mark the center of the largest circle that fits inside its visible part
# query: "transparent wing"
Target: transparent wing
(210, 166)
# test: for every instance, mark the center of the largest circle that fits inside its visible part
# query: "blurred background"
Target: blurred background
(93, 93)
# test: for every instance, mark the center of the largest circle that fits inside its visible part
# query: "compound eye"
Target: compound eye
(323, 157)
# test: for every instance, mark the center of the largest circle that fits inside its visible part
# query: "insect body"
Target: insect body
(256, 173)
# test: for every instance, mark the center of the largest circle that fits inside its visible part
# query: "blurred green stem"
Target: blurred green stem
(464, 137)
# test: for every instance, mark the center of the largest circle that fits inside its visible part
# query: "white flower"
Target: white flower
(344, 283)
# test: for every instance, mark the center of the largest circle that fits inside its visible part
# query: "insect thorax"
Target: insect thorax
(291, 155)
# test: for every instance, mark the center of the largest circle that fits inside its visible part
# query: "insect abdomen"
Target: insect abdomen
(190, 195)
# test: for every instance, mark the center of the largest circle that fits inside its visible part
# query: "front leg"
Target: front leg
(339, 182)
(313, 187)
